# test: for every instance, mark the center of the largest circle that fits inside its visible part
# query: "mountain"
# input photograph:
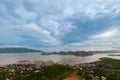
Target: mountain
(18, 50)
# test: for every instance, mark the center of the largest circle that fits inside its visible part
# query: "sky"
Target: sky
(60, 24)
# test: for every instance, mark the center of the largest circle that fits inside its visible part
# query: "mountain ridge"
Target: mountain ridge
(18, 50)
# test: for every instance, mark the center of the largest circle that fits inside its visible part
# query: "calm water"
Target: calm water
(9, 58)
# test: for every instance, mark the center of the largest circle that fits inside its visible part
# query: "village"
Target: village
(100, 70)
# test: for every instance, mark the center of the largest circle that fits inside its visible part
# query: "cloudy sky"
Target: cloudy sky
(60, 24)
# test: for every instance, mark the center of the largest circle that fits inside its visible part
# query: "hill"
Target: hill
(18, 50)
(77, 53)
(106, 51)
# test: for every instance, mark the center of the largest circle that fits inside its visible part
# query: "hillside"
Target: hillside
(18, 50)
(106, 69)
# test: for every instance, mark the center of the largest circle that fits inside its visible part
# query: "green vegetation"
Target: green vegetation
(108, 74)
(55, 72)
(105, 69)
(51, 72)
(108, 63)
(108, 67)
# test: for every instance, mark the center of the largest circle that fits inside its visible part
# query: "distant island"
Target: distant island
(106, 51)
(77, 53)
(114, 55)
(18, 50)
(80, 53)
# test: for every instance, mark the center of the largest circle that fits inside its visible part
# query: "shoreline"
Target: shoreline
(61, 59)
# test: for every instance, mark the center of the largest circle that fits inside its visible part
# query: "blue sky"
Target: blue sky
(60, 24)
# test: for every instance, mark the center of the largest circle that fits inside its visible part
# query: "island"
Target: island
(114, 55)
(106, 51)
(77, 53)
(19, 50)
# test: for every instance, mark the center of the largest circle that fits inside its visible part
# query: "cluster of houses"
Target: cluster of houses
(24, 66)
(28, 65)
(36, 63)
(90, 67)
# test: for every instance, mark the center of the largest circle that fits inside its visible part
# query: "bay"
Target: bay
(11, 58)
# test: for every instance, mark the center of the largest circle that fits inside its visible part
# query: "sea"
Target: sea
(11, 58)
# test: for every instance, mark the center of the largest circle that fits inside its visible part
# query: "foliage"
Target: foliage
(51, 72)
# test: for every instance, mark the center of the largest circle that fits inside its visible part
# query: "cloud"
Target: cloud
(2, 8)
(107, 34)
(107, 39)
(22, 12)
(60, 22)
(42, 36)
(57, 27)
(102, 8)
